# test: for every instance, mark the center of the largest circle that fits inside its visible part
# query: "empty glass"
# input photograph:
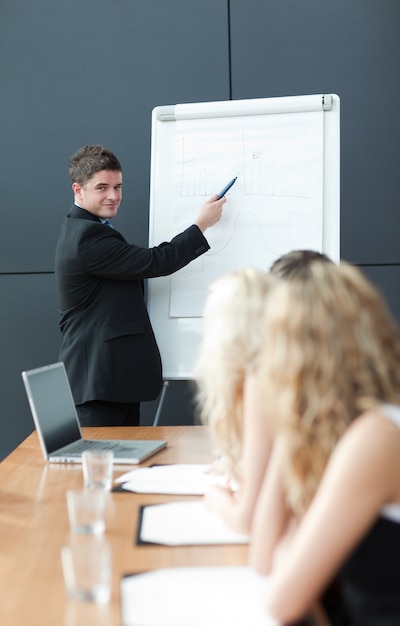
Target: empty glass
(86, 511)
(97, 469)
(87, 568)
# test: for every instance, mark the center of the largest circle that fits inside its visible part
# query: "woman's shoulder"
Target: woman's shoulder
(370, 448)
(380, 423)
(374, 434)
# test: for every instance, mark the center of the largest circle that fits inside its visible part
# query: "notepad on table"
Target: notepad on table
(195, 596)
(184, 523)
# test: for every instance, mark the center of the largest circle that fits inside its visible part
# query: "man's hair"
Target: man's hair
(89, 160)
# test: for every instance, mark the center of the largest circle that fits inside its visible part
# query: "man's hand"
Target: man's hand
(210, 213)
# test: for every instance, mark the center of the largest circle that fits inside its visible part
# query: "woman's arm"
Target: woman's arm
(271, 517)
(363, 475)
(237, 509)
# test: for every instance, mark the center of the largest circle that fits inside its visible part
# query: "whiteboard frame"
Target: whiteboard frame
(179, 338)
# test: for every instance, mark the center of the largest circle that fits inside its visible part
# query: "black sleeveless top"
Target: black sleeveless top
(370, 578)
(366, 591)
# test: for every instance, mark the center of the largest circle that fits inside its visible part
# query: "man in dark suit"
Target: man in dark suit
(108, 345)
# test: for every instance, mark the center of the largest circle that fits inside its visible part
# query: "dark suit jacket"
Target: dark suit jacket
(108, 345)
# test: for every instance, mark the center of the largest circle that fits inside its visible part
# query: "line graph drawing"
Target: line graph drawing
(255, 225)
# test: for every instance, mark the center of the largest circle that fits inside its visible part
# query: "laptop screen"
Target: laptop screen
(52, 406)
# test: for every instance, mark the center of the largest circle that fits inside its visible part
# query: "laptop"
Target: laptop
(57, 424)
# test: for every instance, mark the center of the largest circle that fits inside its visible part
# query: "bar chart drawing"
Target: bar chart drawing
(262, 175)
(193, 176)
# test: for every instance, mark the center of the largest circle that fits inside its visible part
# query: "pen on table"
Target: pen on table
(226, 188)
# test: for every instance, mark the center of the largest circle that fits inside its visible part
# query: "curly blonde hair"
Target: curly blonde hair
(332, 351)
(231, 341)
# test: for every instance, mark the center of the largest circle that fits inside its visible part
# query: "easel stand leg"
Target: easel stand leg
(165, 386)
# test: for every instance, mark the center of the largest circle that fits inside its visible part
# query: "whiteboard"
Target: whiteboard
(285, 153)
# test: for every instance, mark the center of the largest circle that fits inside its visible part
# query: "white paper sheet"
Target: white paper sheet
(195, 596)
(186, 523)
(276, 204)
(177, 479)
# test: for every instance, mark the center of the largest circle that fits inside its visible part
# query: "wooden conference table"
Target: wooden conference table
(34, 526)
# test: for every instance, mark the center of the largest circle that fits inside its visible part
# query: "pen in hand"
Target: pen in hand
(226, 188)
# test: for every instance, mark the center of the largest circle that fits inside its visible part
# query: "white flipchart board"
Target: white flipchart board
(285, 153)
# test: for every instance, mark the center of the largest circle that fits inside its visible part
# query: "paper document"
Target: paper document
(178, 479)
(195, 596)
(185, 523)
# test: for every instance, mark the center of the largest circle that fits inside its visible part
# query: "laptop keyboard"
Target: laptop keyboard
(87, 445)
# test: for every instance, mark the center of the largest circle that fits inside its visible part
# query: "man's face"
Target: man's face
(101, 194)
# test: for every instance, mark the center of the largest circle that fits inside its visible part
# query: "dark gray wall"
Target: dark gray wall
(83, 72)
(72, 73)
(283, 47)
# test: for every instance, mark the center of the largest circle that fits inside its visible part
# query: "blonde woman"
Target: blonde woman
(226, 400)
(330, 379)
(228, 396)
